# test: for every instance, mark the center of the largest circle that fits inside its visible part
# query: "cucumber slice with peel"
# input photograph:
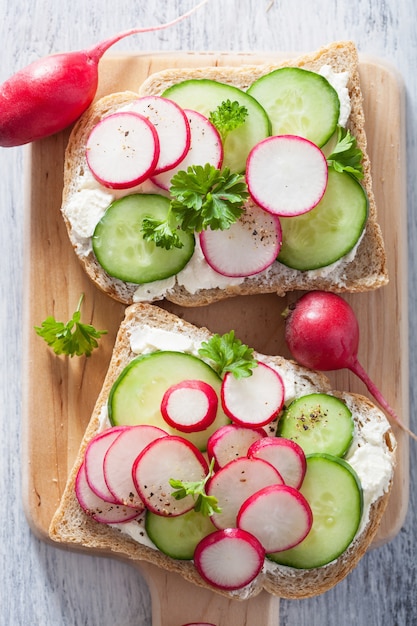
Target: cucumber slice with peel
(178, 536)
(205, 95)
(121, 250)
(330, 230)
(334, 493)
(298, 102)
(318, 422)
(136, 395)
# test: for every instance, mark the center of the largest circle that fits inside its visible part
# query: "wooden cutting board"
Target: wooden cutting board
(59, 393)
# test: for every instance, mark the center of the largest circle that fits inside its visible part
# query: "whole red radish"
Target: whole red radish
(322, 333)
(50, 94)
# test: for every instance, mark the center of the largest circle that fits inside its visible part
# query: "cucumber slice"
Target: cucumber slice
(334, 493)
(121, 249)
(298, 102)
(178, 536)
(136, 395)
(318, 422)
(204, 95)
(330, 230)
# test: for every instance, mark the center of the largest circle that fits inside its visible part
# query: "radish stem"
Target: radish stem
(357, 369)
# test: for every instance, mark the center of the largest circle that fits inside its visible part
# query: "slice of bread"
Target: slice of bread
(367, 270)
(71, 526)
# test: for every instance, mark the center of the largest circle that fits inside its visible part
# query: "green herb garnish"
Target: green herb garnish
(229, 354)
(228, 116)
(346, 156)
(207, 505)
(72, 338)
(202, 197)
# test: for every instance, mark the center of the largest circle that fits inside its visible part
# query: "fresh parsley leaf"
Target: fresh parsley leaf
(72, 338)
(228, 116)
(207, 505)
(229, 354)
(346, 156)
(161, 232)
(202, 197)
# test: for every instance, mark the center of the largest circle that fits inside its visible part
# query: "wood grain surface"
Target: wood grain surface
(54, 420)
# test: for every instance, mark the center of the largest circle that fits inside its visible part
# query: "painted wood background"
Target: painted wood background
(40, 584)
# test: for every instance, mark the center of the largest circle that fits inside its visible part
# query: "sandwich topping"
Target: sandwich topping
(280, 154)
(275, 448)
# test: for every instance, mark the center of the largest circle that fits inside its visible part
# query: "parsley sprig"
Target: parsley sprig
(346, 156)
(205, 504)
(72, 338)
(228, 116)
(228, 354)
(202, 197)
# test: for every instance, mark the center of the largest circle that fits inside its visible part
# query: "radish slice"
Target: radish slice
(172, 127)
(234, 483)
(205, 147)
(255, 400)
(97, 508)
(119, 459)
(94, 460)
(286, 175)
(122, 150)
(229, 559)
(279, 516)
(163, 459)
(248, 247)
(190, 406)
(285, 455)
(231, 442)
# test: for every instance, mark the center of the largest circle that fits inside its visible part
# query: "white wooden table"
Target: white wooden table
(44, 586)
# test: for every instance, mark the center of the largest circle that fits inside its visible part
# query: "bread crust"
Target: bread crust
(71, 526)
(366, 271)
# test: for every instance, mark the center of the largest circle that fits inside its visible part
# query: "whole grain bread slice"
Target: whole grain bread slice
(367, 270)
(73, 527)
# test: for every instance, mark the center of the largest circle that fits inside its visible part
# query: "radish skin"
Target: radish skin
(50, 94)
(322, 333)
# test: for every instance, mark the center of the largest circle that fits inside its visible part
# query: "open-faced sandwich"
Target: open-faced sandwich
(219, 181)
(237, 470)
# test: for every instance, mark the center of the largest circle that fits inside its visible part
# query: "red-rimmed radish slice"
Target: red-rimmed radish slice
(164, 459)
(190, 406)
(248, 247)
(285, 455)
(205, 147)
(171, 125)
(255, 400)
(286, 175)
(234, 483)
(97, 508)
(120, 457)
(229, 559)
(279, 516)
(94, 462)
(231, 442)
(122, 150)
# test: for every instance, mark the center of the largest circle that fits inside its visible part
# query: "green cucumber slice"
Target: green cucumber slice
(121, 249)
(136, 395)
(318, 422)
(178, 536)
(334, 493)
(298, 102)
(330, 230)
(205, 95)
